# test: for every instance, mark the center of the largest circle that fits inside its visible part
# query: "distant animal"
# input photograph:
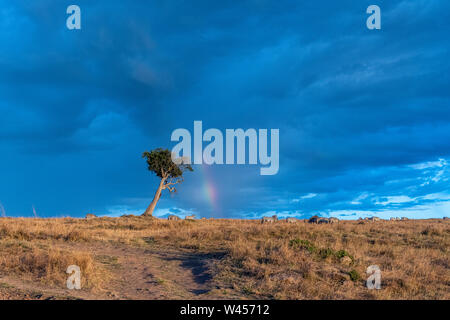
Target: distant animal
(324, 220)
(90, 216)
(173, 217)
(192, 217)
(314, 219)
(334, 220)
(319, 220)
(269, 219)
(291, 220)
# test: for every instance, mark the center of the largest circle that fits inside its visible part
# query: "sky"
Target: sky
(363, 115)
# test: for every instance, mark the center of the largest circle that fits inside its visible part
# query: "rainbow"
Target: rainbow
(208, 189)
(2, 211)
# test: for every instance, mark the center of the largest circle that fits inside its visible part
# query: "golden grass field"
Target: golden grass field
(150, 258)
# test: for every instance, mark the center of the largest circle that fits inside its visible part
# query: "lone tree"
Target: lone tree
(160, 162)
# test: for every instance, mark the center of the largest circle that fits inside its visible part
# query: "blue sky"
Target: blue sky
(363, 114)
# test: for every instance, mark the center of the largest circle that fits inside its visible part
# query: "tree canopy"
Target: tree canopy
(160, 162)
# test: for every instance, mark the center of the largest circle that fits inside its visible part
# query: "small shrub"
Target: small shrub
(325, 253)
(342, 253)
(429, 232)
(354, 275)
(303, 244)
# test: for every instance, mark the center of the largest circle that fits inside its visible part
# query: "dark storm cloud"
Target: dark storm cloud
(355, 108)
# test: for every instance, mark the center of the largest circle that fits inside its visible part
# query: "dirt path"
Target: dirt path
(136, 273)
(151, 274)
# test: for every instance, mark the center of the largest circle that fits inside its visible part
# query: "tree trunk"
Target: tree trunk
(151, 207)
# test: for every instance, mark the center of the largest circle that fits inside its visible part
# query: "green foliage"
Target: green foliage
(342, 253)
(319, 252)
(325, 253)
(160, 162)
(303, 244)
(354, 275)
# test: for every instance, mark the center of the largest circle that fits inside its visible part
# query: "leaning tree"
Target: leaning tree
(171, 173)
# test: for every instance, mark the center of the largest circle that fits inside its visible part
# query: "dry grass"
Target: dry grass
(279, 261)
(48, 265)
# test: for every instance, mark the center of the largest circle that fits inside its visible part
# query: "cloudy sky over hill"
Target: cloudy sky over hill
(364, 115)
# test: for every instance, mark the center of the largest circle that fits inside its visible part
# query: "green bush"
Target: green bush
(325, 253)
(342, 253)
(303, 244)
(354, 275)
(320, 252)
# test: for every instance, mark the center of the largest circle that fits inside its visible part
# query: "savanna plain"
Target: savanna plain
(135, 257)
